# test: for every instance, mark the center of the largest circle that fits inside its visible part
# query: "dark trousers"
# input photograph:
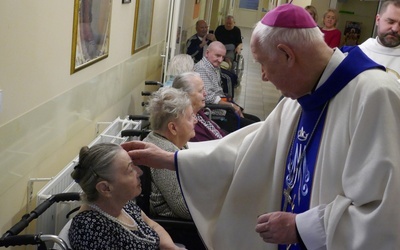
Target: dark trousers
(232, 122)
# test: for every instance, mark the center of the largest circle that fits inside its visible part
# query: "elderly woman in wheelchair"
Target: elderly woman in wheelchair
(108, 218)
(193, 85)
(172, 122)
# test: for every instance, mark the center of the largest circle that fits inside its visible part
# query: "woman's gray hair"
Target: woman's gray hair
(179, 64)
(165, 105)
(184, 81)
(269, 37)
(95, 163)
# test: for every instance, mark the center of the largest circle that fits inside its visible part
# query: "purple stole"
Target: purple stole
(303, 151)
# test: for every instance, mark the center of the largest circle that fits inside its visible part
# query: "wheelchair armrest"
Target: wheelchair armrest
(135, 132)
(153, 83)
(138, 117)
(220, 106)
(175, 223)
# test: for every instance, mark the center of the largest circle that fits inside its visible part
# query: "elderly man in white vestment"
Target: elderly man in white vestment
(321, 172)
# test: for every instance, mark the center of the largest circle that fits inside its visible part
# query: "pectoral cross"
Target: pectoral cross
(288, 199)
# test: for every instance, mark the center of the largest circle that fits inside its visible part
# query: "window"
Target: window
(248, 4)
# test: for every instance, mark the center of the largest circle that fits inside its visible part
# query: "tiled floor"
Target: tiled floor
(254, 95)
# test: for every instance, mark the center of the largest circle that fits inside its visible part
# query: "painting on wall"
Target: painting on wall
(143, 23)
(352, 33)
(91, 32)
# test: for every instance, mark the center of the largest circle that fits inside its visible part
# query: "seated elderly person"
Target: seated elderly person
(193, 85)
(179, 64)
(108, 218)
(231, 36)
(172, 122)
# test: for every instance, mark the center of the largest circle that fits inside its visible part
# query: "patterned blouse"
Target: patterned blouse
(92, 230)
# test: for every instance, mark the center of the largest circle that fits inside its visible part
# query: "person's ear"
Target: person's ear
(104, 189)
(172, 128)
(288, 52)
(377, 18)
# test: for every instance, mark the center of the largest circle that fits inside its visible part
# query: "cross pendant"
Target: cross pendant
(288, 199)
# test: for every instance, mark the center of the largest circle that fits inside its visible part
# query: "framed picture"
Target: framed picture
(91, 32)
(143, 23)
(126, 1)
(352, 33)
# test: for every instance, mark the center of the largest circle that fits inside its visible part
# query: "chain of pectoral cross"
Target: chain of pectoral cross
(288, 190)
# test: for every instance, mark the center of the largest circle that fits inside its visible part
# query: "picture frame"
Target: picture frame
(90, 33)
(352, 32)
(126, 1)
(143, 25)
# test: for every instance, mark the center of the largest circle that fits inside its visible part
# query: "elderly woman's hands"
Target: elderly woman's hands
(148, 154)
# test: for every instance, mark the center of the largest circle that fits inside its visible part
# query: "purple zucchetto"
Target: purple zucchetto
(289, 16)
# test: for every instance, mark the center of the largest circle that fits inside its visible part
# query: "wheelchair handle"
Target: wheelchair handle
(153, 83)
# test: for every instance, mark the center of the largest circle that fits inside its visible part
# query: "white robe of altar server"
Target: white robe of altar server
(355, 196)
(388, 57)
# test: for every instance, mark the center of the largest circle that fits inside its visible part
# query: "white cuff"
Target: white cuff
(310, 225)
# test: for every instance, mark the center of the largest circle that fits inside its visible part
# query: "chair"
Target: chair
(181, 230)
(64, 235)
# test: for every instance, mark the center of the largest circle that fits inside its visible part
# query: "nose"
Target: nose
(396, 28)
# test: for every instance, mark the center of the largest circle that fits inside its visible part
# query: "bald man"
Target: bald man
(196, 44)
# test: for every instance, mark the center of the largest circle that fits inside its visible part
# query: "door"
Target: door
(172, 40)
(246, 13)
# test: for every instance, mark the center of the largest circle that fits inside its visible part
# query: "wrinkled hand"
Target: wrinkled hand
(148, 154)
(277, 228)
(237, 110)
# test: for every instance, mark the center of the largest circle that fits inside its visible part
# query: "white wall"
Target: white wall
(47, 113)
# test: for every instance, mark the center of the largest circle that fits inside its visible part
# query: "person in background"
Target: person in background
(179, 64)
(324, 163)
(313, 12)
(193, 85)
(332, 35)
(108, 217)
(385, 48)
(210, 73)
(231, 36)
(196, 44)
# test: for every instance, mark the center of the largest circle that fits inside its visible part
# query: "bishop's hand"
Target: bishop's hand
(277, 227)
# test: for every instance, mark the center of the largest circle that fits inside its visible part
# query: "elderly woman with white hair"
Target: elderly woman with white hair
(172, 121)
(193, 85)
(179, 64)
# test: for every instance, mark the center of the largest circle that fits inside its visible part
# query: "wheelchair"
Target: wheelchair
(234, 64)
(13, 237)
